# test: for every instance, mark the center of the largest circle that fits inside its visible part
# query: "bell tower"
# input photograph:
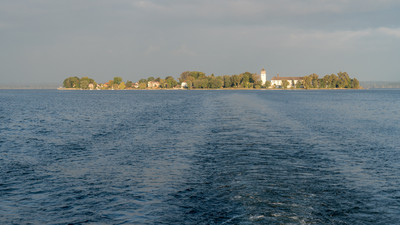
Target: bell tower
(263, 76)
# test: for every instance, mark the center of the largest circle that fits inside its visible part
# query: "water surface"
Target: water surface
(200, 157)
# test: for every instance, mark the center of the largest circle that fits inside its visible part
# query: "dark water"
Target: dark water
(200, 157)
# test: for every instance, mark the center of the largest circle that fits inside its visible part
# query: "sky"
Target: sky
(46, 41)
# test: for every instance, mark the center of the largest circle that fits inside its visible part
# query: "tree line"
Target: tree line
(341, 80)
(199, 80)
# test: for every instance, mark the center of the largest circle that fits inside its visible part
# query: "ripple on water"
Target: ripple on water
(170, 157)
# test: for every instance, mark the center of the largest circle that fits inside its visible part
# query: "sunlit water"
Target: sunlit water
(200, 157)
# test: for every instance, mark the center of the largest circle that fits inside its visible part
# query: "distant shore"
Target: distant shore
(207, 89)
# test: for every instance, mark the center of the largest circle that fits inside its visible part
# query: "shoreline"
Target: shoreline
(208, 89)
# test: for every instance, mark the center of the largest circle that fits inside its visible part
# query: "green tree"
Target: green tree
(227, 81)
(121, 86)
(235, 80)
(215, 82)
(117, 80)
(244, 82)
(184, 76)
(170, 82)
(142, 82)
(355, 83)
(142, 85)
(267, 84)
(326, 81)
(71, 82)
(189, 84)
(332, 81)
(307, 82)
(284, 84)
(344, 80)
(299, 84)
(321, 83)
(129, 84)
(314, 80)
(197, 74)
(84, 84)
(258, 84)
(253, 78)
(190, 81)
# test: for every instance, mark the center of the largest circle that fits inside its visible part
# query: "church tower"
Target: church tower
(263, 76)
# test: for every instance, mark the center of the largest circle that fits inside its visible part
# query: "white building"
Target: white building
(277, 81)
(263, 76)
(153, 84)
(184, 85)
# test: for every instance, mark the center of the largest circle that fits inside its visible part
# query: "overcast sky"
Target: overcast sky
(45, 41)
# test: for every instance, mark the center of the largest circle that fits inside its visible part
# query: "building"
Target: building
(263, 76)
(153, 84)
(277, 81)
(184, 85)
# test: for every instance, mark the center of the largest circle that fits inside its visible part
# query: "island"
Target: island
(199, 80)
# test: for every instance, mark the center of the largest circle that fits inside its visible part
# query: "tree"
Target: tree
(121, 86)
(197, 74)
(117, 80)
(189, 84)
(244, 82)
(227, 81)
(321, 83)
(344, 80)
(84, 84)
(258, 84)
(189, 81)
(267, 84)
(285, 83)
(201, 83)
(235, 80)
(307, 82)
(143, 81)
(183, 77)
(110, 84)
(326, 81)
(170, 82)
(142, 85)
(314, 80)
(298, 84)
(215, 82)
(71, 82)
(333, 81)
(129, 84)
(355, 83)
(254, 78)
(163, 84)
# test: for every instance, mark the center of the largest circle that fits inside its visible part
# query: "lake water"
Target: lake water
(200, 157)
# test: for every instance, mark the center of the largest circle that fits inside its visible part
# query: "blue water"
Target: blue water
(200, 157)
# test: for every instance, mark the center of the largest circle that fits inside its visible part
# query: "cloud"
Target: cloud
(246, 9)
(394, 32)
